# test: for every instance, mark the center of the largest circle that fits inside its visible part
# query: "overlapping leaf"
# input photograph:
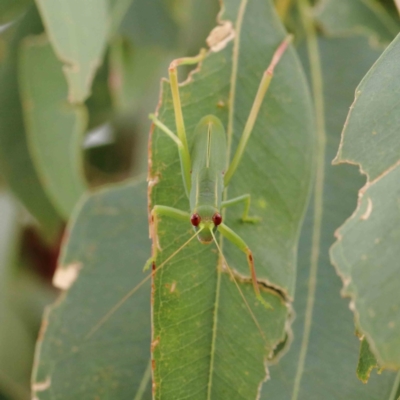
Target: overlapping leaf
(366, 253)
(55, 129)
(106, 249)
(16, 162)
(78, 32)
(332, 349)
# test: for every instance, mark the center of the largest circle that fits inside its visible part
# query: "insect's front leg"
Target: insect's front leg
(246, 199)
(159, 211)
(180, 139)
(183, 152)
(241, 245)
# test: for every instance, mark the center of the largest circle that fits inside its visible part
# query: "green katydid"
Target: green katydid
(204, 168)
(204, 177)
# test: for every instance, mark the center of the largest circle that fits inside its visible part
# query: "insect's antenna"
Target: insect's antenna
(104, 319)
(238, 287)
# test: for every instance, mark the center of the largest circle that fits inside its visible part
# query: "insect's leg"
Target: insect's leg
(180, 125)
(246, 198)
(241, 244)
(262, 89)
(238, 288)
(170, 212)
(166, 130)
(183, 153)
(156, 212)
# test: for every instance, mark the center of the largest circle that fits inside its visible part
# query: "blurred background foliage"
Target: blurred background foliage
(61, 137)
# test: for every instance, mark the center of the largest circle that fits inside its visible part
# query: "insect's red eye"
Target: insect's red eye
(195, 219)
(217, 219)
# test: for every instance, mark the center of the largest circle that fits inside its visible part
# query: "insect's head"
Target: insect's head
(206, 221)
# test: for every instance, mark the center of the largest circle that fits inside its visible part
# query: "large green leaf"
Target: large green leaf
(78, 31)
(55, 129)
(366, 253)
(106, 249)
(206, 344)
(332, 348)
(16, 163)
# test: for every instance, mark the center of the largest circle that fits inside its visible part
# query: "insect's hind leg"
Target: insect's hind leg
(241, 245)
(246, 199)
(156, 212)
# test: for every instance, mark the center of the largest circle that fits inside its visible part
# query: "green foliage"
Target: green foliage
(107, 242)
(70, 67)
(366, 254)
(54, 128)
(16, 162)
(329, 370)
(78, 33)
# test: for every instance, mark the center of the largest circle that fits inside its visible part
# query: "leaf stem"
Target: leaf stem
(317, 88)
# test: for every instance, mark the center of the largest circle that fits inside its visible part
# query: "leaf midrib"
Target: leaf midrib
(232, 94)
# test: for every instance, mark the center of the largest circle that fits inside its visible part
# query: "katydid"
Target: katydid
(205, 176)
(204, 168)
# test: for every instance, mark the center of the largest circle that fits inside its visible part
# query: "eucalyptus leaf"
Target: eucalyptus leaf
(78, 32)
(55, 128)
(366, 253)
(332, 349)
(105, 252)
(206, 344)
(16, 163)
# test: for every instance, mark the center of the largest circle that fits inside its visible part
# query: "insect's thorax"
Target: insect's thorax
(208, 157)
